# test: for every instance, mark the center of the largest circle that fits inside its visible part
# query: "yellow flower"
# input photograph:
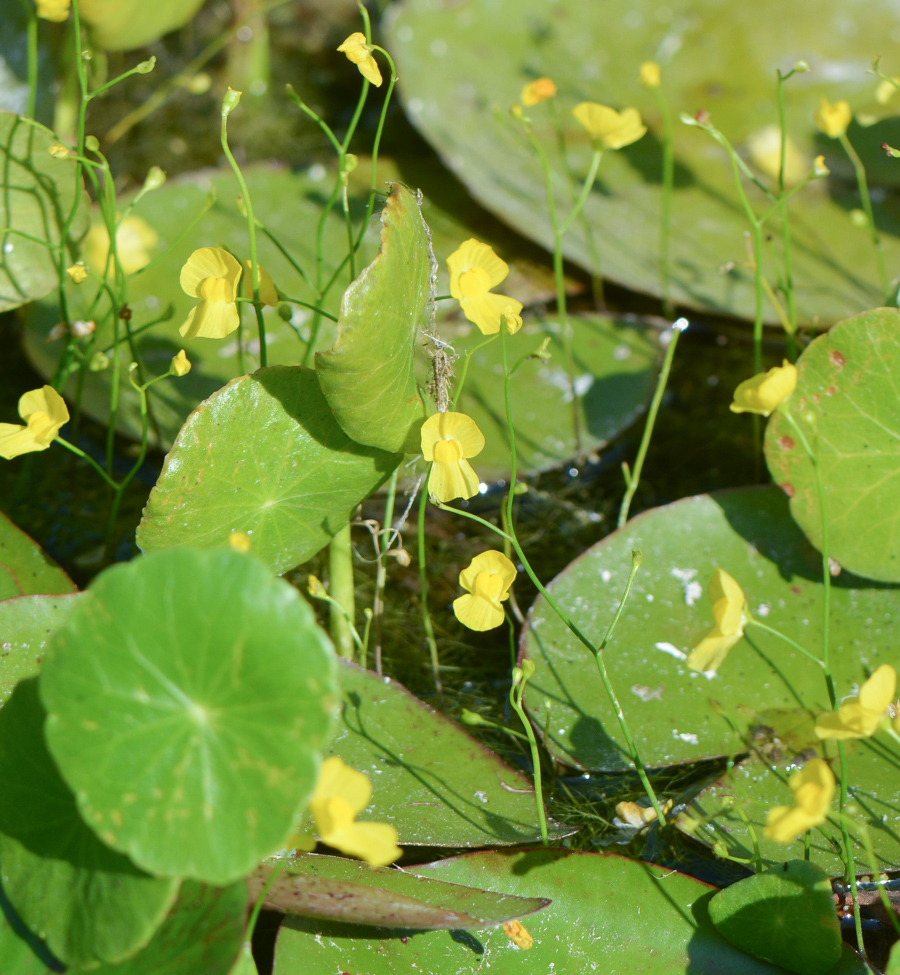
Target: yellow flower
(240, 542)
(486, 579)
(212, 275)
(474, 270)
(633, 816)
(860, 717)
(833, 119)
(518, 934)
(268, 293)
(57, 10)
(77, 273)
(341, 794)
(729, 611)
(181, 364)
(885, 90)
(813, 787)
(612, 129)
(649, 77)
(764, 393)
(448, 439)
(44, 412)
(764, 147)
(537, 91)
(359, 52)
(135, 240)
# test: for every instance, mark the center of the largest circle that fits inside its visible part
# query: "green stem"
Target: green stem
(78, 452)
(634, 478)
(785, 222)
(515, 700)
(423, 583)
(465, 367)
(768, 629)
(342, 591)
(32, 46)
(851, 866)
(383, 541)
(866, 198)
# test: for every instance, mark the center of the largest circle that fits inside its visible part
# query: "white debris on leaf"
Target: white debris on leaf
(671, 650)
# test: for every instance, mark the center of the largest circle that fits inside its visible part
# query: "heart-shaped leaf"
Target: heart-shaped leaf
(337, 889)
(678, 714)
(265, 456)
(847, 406)
(189, 694)
(369, 377)
(88, 903)
(25, 569)
(785, 915)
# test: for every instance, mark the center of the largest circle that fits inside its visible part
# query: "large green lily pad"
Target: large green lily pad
(749, 533)
(369, 376)
(847, 405)
(37, 195)
(462, 66)
(607, 914)
(23, 953)
(25, 568)
(264, 456)
(432, 781)
(26, 625)
(337, 889)
(615, 369)
(122, 25)
(189, 696)
(87, 902)
(753, 787)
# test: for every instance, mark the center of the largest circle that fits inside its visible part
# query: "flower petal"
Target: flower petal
(487, 311)
(711, 651)
(785, 823)
(211, 320)
(44, 400)
(376, 843)
(268, 293)
(16, 439)
(209, 262)
(764, 393)
(860, 717)
(452, 426)
(338, 780)
(729, 603)
(470, 254)
(477, 613)
(449, 481)
(490, 561)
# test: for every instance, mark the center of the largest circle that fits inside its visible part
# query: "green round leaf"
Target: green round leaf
(785, 915)
(607, 914)
(22, 952)
(122, 25)
(25, 568)
(266, 456)
(88, 903)
(847, 405)
(189, 694)
(676, 714)
(462, 66)
(615, 366)
(37, 195)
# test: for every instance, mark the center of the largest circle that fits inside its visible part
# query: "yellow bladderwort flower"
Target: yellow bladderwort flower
(181, 364)
(766, 392)
(268, 293)
(813, 787)
(77, 273)
(474, 270)
(833, 119)
(649, 76)
(448, 440)
(44, 412)
(537, 91)
(360, 53)
(607, 127)
(730, 613)
(212, 275)
(861, 717)
(518, 934)
(57, 10)
(486, 579)
(341, 795)
(135, 242)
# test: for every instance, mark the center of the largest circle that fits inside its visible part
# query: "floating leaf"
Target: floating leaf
(607, 914)
(368, 377)
(25, 569)
(433, 782)
(337, 889)
(462, 66)
(37, 196)
(21, 951)
(26, 625)
(847, 405)
(189, 695)
(88, 903)
(265, 456)
(122, 25)
(681, 715)
(785, 915)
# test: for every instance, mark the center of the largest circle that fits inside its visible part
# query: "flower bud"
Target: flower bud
(91, 143)
(145, 67)
(154, 179)
(230, 102)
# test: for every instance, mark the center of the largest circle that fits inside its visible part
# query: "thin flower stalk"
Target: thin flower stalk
(520, 679)
(384, 539)
(863, 184)
(790, 296)
(423, 592)
(665, 216)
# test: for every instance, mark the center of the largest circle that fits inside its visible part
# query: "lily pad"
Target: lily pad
(265, 456)
(88, 903)
(847, 405)
(189, 695)
(122, 25)
(615, 371)
(37, 196)
(432, 781)
(22, 952)
(368, 378)
(25, 569)
(462, 66)
(607, 914)
(337, 889)
(755, 786)
(677, 714)
(26, 626)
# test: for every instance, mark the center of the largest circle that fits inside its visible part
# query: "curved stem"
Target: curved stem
(515, 700)
(423, 583)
